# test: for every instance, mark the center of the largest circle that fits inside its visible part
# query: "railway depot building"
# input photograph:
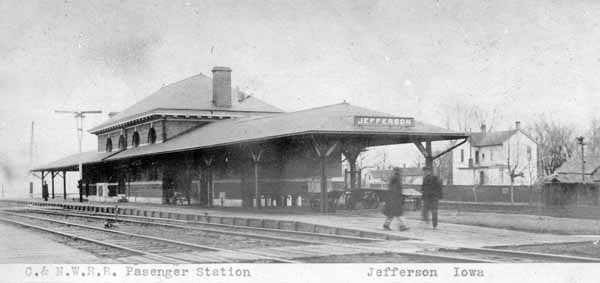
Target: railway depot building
(205, 142)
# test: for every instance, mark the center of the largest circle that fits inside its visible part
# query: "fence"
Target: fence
(571, 194)
(478, 193)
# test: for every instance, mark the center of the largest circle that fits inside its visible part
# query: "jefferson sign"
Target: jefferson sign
(384, 121)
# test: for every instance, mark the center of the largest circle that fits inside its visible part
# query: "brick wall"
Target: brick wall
(177, 127)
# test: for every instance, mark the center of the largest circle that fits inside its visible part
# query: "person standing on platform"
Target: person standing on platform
(394, 202)
(80, 187)
(45, 193)
(432, 193)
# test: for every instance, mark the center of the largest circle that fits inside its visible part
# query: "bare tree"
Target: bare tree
(556, 144)
(444, 167)
(466, 117)
(515, 169)
(593, 140)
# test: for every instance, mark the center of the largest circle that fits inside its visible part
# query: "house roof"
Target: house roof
(491, 138)
(333, 119)
(568, 178)
(573, 165)
(188, 95)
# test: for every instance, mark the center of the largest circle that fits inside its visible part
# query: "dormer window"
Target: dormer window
(122, 142)
(135, 140)
(108, 145)
(151, 136)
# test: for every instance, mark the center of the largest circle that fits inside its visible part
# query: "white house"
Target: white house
(489, 158)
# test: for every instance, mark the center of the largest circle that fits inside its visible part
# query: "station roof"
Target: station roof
(187, 96)
(71, 162)
(337, 119)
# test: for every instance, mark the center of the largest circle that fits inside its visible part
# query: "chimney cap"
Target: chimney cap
(221, 69)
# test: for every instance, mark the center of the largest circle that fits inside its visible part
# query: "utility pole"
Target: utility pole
(31, 160)
(580, 142)
(79, 115)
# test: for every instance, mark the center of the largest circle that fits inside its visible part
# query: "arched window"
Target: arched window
(135, 140)
(122, 142)
(108, 145)
(151, 136)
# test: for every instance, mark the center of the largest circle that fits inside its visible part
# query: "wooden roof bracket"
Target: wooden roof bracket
(450, 148)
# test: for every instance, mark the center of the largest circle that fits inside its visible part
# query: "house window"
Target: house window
(122, 142)
(491, 156)
(529, 153)
(108, 145)
(482, 156)
(462, 155)
(151, 136)
(135, 140)
(477, 156)
(481, 178)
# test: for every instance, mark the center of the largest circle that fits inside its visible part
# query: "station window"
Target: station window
(122, 142)
(108, 145)
(135, 140)
(462, 155)
(477, 156)
(154, 172)
(151, 136)
(481, 178)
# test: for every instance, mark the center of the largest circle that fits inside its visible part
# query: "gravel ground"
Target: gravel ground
(583, 249)
(372, 258)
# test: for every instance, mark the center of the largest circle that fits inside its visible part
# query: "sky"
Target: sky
(524, 59)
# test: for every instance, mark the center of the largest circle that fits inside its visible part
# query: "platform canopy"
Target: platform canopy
(335, 121)
(71, 162)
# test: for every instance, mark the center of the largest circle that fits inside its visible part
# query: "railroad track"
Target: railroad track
(152, 249)
(501, 255)
(259, 232)
(336, 245)
(297, 253)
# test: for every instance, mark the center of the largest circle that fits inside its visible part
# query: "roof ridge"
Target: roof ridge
(179, 81)
(257, 117)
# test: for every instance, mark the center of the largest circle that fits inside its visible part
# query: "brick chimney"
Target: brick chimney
(221, 86)
(518, 125)
(483, 129)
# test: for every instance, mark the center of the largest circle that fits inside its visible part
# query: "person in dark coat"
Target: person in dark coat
(394, 202)
(45, 193)
(432, 193)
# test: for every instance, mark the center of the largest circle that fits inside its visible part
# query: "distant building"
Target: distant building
(571, 171)
(485, 158)
(379, 178)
